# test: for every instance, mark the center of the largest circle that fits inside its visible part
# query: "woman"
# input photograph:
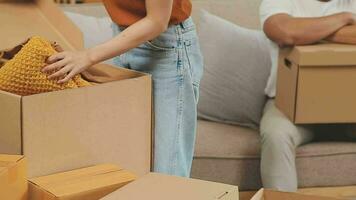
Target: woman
(156, 37)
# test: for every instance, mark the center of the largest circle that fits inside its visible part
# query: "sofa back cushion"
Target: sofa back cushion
(237, 64)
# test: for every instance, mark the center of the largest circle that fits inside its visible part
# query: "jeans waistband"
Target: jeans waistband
(186, 24)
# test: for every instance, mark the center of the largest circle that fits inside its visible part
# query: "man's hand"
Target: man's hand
(288, 31)
(346, 35)
(353, 17)
(65, 65)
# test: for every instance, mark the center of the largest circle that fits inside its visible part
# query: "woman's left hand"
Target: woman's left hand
(65, 65)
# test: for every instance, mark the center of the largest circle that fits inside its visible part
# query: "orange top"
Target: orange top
(127, 12)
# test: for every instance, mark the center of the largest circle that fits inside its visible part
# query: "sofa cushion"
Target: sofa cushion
(227, 154)
(327, 164)
(231, 154)
(217, 140)
(237, 65)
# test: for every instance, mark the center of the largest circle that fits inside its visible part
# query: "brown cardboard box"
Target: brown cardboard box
(13, 177)
(316, 83)
(162, 187)
(274, 195)
(70, 129)
(90, 183)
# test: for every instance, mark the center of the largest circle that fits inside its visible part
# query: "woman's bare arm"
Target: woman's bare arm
(69, 63)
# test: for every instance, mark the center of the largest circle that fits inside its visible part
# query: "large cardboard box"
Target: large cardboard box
(162, 187)
(70, 129)
(90, 183)
(275, 195)
(13, 177)
(316, 83)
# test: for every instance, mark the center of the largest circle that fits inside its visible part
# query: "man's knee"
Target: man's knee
(278, 136)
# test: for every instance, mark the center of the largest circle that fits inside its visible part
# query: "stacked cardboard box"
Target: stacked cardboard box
(69, 129)
(13, 177)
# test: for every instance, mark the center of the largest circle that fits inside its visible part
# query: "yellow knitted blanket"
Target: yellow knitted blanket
(22, 74)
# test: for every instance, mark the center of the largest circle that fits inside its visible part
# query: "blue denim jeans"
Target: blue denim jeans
(175, 62)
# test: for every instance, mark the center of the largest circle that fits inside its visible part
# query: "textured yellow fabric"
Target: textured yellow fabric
(22, 74)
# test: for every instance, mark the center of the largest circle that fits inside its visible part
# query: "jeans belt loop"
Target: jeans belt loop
(182, 25)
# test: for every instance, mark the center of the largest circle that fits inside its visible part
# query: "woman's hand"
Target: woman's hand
(65, 65)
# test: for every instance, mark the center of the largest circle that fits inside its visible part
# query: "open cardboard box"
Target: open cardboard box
(69, 129)
(264, 194)
(316, 83)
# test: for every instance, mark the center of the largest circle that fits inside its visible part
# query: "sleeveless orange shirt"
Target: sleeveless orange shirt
(127, 12)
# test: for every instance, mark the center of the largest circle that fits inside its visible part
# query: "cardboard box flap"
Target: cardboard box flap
(7, 160)
(159, 186)
(70, 175)
(21, 19)
(89, 184)
(10, 132)
(323, 55)
(276, 195)
(10, 158)
(83, 180)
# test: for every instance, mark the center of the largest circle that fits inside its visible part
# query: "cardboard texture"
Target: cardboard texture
(315, 84)
(21, 19)
(70, 129)
(89, 183)
(13, 177)
(275, 195)
(162, 187)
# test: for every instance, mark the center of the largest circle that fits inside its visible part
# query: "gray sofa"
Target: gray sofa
(231, 154)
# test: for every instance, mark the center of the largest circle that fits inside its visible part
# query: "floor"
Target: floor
(347, 192)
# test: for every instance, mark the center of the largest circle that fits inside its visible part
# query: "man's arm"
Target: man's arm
(287, 30)
(346, 35)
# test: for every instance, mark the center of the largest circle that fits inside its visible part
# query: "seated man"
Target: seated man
(288, 23)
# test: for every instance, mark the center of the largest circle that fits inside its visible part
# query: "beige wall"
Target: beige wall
(242, 12)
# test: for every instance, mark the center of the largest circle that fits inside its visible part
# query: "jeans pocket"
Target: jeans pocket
(195, 60)
(158, 47)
